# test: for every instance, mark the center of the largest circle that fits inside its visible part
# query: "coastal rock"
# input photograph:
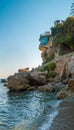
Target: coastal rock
(62, 95)
(62, 65)
(37, 78)
(19, 81)
(3, 80)
(47, 88)
(26, 80)
(58, 86)
(67, 91)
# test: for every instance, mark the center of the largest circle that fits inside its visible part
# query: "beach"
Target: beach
(65, 119)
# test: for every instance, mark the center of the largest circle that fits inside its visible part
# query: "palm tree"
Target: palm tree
(72, 9)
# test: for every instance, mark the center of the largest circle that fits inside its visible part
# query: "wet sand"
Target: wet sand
(65, 119)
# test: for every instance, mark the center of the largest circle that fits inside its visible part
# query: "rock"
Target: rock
(67, 91)
(71, 85)
(62, 95)
(71, 66)
(24, 70)
(19, 81)
(65, 81)
(58, 86)
(37, 78)
(3, 80)
(48, 88)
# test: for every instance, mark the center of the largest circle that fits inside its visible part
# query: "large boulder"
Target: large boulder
(47, 88)
(37, 78)
(67, 91)
(19, 81)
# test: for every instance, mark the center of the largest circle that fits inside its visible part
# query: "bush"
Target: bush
(40, 69)
(51, 66)
(51, 74)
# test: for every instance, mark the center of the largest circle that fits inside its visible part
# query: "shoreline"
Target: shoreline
(65, 118)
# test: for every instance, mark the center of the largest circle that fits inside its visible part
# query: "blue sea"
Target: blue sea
(32, 110)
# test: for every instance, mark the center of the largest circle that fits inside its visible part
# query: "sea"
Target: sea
(23, 110)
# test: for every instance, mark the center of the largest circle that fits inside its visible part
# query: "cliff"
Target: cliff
(59, 42)
(55, 76)
(57, 71)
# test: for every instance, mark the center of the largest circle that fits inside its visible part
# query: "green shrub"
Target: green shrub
(45, 67)
(51, 74)
(40, 69)
(51, 66)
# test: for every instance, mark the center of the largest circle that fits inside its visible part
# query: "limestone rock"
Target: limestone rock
(19, 81)
(37, 78)
(48, 88)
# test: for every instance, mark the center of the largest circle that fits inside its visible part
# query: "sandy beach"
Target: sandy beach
(65, 119)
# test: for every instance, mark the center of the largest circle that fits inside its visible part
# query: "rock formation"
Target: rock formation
(62, 84)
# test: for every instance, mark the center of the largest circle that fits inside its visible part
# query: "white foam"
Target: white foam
(49, 121)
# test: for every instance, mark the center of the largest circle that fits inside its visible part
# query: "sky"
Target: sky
(21, 23)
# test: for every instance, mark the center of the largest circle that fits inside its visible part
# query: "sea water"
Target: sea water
(32, 110)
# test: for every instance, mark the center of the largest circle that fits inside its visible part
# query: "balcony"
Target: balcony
(44, 40)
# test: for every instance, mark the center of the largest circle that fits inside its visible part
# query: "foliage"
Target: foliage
(64, 33)
(49, 67)
(51, 74)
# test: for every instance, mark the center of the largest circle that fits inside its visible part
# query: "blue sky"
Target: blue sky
(21, 23)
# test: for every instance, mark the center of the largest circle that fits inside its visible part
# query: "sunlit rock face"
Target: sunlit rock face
(18, 81)
(24, 70)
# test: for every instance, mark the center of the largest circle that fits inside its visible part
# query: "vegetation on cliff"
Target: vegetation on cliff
(63, 33)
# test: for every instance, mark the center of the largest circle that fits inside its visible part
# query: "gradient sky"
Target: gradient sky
(21, 23)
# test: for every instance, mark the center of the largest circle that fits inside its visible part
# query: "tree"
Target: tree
(72, 9)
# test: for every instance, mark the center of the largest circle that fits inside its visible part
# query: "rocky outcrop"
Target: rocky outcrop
(47, 88)
(62, 84)
(67, 91)
(62, 63)
(26, 80)
(19, 81)
(37, 78)
(24, 70)
(3, 80)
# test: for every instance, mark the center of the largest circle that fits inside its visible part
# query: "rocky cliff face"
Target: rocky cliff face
(62, 83)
